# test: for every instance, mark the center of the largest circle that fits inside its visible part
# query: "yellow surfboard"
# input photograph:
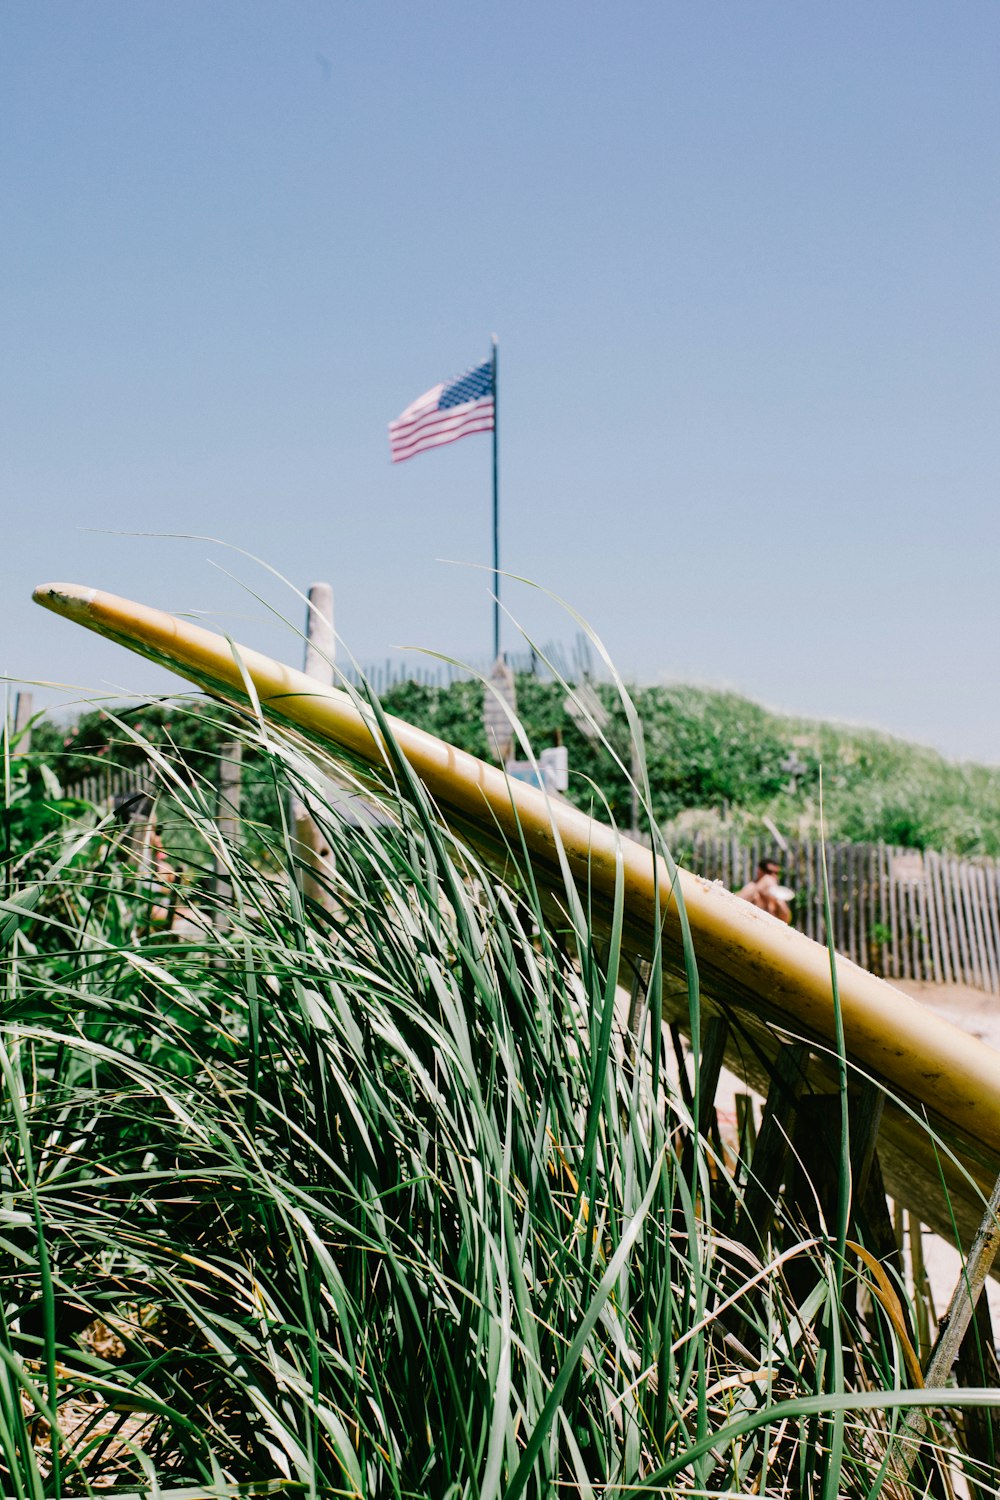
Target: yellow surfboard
(773, 981)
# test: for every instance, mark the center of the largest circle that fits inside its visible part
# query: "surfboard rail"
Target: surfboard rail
(773, 981)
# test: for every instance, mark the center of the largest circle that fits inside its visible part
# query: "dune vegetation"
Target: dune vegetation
(361, 1184)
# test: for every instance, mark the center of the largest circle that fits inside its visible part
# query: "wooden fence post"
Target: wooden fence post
(22, 718)
(318, 663)
(228, 819)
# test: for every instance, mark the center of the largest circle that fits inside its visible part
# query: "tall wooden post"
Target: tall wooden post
(22, 718)
(227, 818)
(318, 663)
(501, 690)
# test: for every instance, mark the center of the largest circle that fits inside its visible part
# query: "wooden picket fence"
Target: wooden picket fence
(902, 913)
(574, 663)
(101, 787)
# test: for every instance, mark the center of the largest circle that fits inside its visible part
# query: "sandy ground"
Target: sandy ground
(971, 1009)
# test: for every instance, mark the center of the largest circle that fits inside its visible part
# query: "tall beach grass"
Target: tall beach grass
(356, 1182)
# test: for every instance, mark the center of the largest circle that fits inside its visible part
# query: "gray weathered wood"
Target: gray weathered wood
(715, 1032)
(931, 918)
(993, 907)
(943, 928)
(320, 645)
(499, 696)
(319, 663)
(767, 1168)
(22, 718)
(227, 819)
(955, 1322)
(987, 947)
(976, 903)
(958, 907)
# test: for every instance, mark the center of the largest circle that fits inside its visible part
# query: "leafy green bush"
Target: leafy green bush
(722, 754)
(709, 753)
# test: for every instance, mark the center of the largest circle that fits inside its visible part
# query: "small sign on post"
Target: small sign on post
(550, 772)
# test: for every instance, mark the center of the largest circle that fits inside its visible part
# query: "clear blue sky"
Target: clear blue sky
(741, 258)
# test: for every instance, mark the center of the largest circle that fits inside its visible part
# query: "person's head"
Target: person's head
(769, 867)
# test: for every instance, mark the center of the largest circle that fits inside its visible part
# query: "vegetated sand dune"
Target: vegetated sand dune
(771, 983)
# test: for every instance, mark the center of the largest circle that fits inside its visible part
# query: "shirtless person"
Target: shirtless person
(760, 892)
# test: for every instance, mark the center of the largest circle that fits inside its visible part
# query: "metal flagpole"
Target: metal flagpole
(496, 519)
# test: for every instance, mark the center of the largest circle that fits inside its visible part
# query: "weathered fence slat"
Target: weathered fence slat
(930, 917)
(905, 914)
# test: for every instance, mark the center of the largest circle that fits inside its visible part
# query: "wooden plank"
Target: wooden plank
(808, 897)
(852, 896)
(895, 968)
(941, 921)
(904, 887)
(863, 876)
(866, 1117)
(746, 1125)
(977, 1365)
(909, 920)
(951, 931)
(836, 904)
(916, 926)
(858, 904)
(22, 718)
(991, 974)
(806, 913)
(977, 881)
(971, 890)
(318, 664)
(767, 1168)
(992, 947)
(228, 819)
(875, 962)
(993, 906)
(818, 897)
(955, 897)
(715, 1034)
(794, 879)
(954, 923)
(931, 918)
(968, 920)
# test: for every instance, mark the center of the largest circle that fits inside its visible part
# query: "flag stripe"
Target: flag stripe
(480, 419)
(401, 432)
(439, 441)
(441, 415)
(436, 438)
(441, 423)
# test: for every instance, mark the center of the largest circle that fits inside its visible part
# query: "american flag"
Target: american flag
(445, 413)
